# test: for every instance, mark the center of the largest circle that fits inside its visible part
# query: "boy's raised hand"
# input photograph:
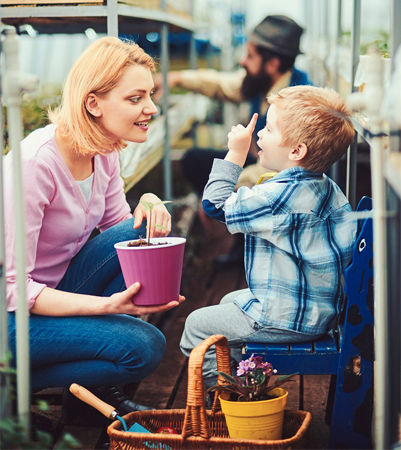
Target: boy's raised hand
(239, 142)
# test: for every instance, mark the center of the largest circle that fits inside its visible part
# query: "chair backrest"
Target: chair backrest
(353, 406)
(359, 287)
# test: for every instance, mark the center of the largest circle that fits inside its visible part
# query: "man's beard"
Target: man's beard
(254, 85)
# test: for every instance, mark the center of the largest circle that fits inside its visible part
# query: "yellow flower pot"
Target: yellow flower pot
(255, 420)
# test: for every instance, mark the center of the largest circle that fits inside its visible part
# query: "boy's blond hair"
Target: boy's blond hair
(97, 70)
(317, 117)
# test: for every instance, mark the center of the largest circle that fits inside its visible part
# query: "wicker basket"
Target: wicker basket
(201, 429)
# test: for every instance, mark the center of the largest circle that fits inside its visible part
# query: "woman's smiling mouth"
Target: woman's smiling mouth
(142, 124)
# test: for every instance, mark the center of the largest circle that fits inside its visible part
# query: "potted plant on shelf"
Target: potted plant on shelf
(156, 263)
(253, 408)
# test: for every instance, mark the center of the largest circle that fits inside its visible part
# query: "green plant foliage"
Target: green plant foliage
(5, 365)
(34, 111)
(149, 206)
(252, 381)
(14, 436)
(380, 42)
(66, 442)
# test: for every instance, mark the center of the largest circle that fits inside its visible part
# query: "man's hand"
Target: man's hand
(173, 78)
(239, 142)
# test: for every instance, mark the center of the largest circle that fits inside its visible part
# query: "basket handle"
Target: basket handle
(196, 421)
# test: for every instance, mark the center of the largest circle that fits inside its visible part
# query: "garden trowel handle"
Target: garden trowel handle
(91, 399)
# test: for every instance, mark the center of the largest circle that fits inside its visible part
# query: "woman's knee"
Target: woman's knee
(155, 341)
(123, 231)
(148, 346)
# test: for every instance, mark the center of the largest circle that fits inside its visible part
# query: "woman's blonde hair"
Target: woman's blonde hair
(317, 117)
(97, 71)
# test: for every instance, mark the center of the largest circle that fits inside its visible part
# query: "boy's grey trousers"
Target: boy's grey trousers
(228, 319)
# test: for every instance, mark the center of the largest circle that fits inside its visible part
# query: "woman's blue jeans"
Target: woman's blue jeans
(92, 350)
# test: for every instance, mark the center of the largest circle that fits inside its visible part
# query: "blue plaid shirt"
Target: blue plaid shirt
(299, 234)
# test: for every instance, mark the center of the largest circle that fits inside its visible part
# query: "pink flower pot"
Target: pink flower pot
(157, 268)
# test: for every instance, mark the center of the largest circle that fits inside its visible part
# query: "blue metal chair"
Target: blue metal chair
(346, 352)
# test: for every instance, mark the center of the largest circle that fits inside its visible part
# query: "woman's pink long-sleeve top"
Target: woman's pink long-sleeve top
(58, 220)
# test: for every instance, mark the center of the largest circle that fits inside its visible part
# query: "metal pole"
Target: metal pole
(193, 64)
(12, 88)
(193, 57)
(112, 18)
(395, 30)
(352, 158)
(325, 35)
(382, 343)
(227, 64)
(167, 168)
(352, 154)
(393, 257)
(5, 410)
(336, 50)
(370, 100)
(393, 245)
(335, 169)
(355, 43)
(310, 29)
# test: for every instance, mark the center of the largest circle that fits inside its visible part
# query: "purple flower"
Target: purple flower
(267, 368)
(242, 368)
(259, 362)
(249, 384)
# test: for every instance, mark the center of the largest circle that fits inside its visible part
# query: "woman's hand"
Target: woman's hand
(122, 303)
(51, 302)
(160, 216)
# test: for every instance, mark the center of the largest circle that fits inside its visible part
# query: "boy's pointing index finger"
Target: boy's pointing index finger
(252, 123)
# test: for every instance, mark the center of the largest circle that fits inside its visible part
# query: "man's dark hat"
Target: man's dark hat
(280, 34)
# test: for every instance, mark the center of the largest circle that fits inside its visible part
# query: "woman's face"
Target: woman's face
(125, 111)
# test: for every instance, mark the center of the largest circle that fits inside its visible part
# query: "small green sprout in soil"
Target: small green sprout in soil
(149, 206)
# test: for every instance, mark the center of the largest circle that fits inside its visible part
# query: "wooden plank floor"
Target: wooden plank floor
(202, 285)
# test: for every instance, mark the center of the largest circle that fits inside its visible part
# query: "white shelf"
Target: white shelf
(361, 125)
(62, 17)
(392, 171)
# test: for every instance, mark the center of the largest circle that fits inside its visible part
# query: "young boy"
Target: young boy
(298, 227)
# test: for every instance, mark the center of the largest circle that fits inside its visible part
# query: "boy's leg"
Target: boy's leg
(227, 319)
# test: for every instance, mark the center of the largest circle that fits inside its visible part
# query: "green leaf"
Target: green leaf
(285, 377)
(147, 205)
(67, 442)
(260, 378)
(43, 406)
(160, 226)
(6, 369)
(45, 439)
(163, 202)
(244, 398)
(229, 378)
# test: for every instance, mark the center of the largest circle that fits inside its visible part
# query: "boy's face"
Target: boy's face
(273, 156)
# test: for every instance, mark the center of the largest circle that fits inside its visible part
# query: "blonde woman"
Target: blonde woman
(81, 322)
